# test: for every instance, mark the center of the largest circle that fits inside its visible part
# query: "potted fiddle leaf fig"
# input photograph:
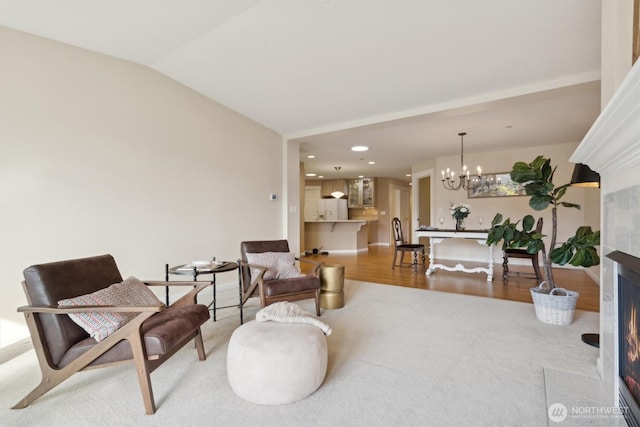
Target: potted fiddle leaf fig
(552, 304)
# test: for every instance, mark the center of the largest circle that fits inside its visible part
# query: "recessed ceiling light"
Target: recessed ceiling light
(311, 156)
(310, 174)
(320, 176)
(408, 174)
(360, 176)
(372, 162)
(359, 148)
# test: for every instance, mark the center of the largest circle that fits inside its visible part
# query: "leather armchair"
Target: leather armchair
(274, 290)
(64, 348)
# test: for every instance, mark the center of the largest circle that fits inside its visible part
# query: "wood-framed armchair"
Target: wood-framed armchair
(270, 290)
(64, 348)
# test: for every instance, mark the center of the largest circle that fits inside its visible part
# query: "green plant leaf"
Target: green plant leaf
(539, 203)
(561, 255)
(570, 205)
(579, 258)
(538, 162)
(508, 234)
(521, 173)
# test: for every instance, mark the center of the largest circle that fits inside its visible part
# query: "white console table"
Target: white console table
(437, 236)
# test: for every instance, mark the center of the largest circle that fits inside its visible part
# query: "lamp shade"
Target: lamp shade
(583, 176)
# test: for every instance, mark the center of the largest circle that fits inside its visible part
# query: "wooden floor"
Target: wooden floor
(375, 266)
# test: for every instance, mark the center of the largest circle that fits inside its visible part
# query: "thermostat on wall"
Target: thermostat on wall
(273, 196)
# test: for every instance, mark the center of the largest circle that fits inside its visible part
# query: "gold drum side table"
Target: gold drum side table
(332, 286)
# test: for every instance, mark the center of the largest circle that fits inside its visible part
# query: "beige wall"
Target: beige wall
(99, 155)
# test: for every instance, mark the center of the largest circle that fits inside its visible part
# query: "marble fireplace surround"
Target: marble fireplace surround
(612, 148)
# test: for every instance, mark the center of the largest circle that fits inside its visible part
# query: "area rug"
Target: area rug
(397, 357)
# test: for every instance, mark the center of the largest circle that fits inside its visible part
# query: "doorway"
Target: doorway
(422, 201)
(400, 207)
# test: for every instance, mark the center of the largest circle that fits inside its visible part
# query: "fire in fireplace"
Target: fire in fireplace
(628, 272)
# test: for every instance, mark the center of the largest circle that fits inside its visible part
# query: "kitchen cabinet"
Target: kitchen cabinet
(331, 185)
(362, 193)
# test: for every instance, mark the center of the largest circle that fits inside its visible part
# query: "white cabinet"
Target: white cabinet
(361, 193)
(311, 203)
(332, 209)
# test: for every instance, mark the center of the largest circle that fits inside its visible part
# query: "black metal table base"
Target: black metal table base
(195, 272)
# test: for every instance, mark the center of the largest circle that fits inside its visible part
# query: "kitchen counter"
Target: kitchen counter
(337, 220)
(336, 236)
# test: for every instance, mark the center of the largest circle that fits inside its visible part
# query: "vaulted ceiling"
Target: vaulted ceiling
(400, 76)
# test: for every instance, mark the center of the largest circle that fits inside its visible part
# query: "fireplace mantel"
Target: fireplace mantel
(612, 148)
(612, 145)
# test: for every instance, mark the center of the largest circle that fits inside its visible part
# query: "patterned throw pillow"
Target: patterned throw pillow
(100, 325)
(280, 265)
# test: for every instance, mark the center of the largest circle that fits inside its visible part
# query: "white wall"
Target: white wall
(99, 155)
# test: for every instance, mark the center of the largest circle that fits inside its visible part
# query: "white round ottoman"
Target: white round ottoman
(271, 363)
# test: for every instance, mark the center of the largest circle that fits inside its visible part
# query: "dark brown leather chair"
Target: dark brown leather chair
(270, 291)
(399, 245)
(522, 253)
(64, 348)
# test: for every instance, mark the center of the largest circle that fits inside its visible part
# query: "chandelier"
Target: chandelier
(449, 177)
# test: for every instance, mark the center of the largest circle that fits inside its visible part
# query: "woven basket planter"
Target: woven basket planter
(555, 307)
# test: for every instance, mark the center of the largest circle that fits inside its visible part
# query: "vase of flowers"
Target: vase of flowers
(459, 212)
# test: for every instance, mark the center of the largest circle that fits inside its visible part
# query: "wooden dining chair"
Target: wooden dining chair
(401, 246)
(523, 254)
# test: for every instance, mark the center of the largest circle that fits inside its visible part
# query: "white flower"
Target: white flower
(459, 211)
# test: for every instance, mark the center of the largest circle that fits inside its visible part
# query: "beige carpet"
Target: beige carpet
(397, 357)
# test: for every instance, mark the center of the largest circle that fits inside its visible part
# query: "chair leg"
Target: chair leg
(536, 268)
(144, 377)
(317, 302)
(50, 379)
(200, 346)
(393, 266)
(424, 260)
(415, 261)
(505, 268)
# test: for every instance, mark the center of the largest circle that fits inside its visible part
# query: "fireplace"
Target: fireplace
(628, 339)
(612, 148)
